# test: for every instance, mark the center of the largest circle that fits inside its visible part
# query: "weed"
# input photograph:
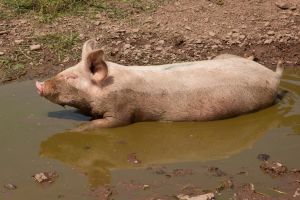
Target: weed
(59, 43)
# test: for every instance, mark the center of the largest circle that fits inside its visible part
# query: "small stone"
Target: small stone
(271, 33)
(81, 36)
(35, 47)
(1, 53)
(158, 48)
(263, 157)
(274, 168)
(293, 8)
(127, 46)
(268, 41)
(45, 177)
(10, 186)
(282, 5)
(242, 37)
(97, 23)
(244, 26)
(161, 42)
(267, 24)
(145, 187)
(147, 46)
(211, 33)
(19, 41)
(208, 196)
(297, 193)
(188, 28)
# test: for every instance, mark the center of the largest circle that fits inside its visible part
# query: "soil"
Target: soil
(176, 31)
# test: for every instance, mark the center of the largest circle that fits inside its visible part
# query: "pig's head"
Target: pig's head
(75, 86)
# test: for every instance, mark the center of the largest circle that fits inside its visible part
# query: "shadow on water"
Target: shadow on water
(68, 114)
(97, 153)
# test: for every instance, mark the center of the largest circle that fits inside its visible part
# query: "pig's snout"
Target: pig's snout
(40, 87)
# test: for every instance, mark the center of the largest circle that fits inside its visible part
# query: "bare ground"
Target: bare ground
(175, 31)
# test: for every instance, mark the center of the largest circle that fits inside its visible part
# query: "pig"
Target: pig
(116, 95)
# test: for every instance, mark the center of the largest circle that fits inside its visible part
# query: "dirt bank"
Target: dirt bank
(172, 31)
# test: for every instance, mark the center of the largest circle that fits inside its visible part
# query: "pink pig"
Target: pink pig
(116, 95)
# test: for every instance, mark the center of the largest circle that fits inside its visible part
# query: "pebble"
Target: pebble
(10, 186)
(35, 47)
(97, 23)
(161, 42)
(147, 46)
(282, 5)
(208, 196)
(211, 33)
(188, 28)
(267, 24)
(19, 41)
(268, 41)
(263, 157)
(127, 46)
(271, 33)
(1, 53)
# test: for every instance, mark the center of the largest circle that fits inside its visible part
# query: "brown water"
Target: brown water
(34, 138)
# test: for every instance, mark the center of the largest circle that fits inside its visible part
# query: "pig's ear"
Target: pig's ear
(97, 66)
(88, 47)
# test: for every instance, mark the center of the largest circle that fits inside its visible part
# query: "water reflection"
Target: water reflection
(97, 153)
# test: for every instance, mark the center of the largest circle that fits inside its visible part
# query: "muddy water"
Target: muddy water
(36, 136)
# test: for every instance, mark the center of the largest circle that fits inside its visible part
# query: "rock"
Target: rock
(1, 53)
(208, 196)
(45, 177)
(19, 41)
(10, 186)
(161, 42)
(147, 46)
(263, 157)
(81, 36)
(274, 168)
(146, 187)
(136, 30)
(215, 171)
(211, 33)
(242, 37)
(35, 47)
(297, 193)
(127, 46)
(188, 28)
(271, 33)
(268, 41)
(97, 23)
(282, 5)
(267, 24)
(132, 158)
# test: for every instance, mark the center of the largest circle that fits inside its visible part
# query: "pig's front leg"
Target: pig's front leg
(106, 122)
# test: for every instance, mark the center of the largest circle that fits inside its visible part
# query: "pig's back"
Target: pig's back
(201, 91)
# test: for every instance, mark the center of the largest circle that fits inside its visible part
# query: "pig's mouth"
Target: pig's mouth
(40, 87)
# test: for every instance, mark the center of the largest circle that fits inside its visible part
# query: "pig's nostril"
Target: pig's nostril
(39, 87)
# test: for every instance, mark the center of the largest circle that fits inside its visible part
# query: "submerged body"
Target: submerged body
(117, 95)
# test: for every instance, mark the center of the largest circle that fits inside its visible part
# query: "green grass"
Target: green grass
(60, 44)
(49, 9)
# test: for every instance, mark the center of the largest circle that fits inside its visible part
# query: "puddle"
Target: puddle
(34, 137)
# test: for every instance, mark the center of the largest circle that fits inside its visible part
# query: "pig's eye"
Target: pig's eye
(71, 76)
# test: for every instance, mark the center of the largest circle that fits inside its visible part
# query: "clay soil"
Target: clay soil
(171, 31)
